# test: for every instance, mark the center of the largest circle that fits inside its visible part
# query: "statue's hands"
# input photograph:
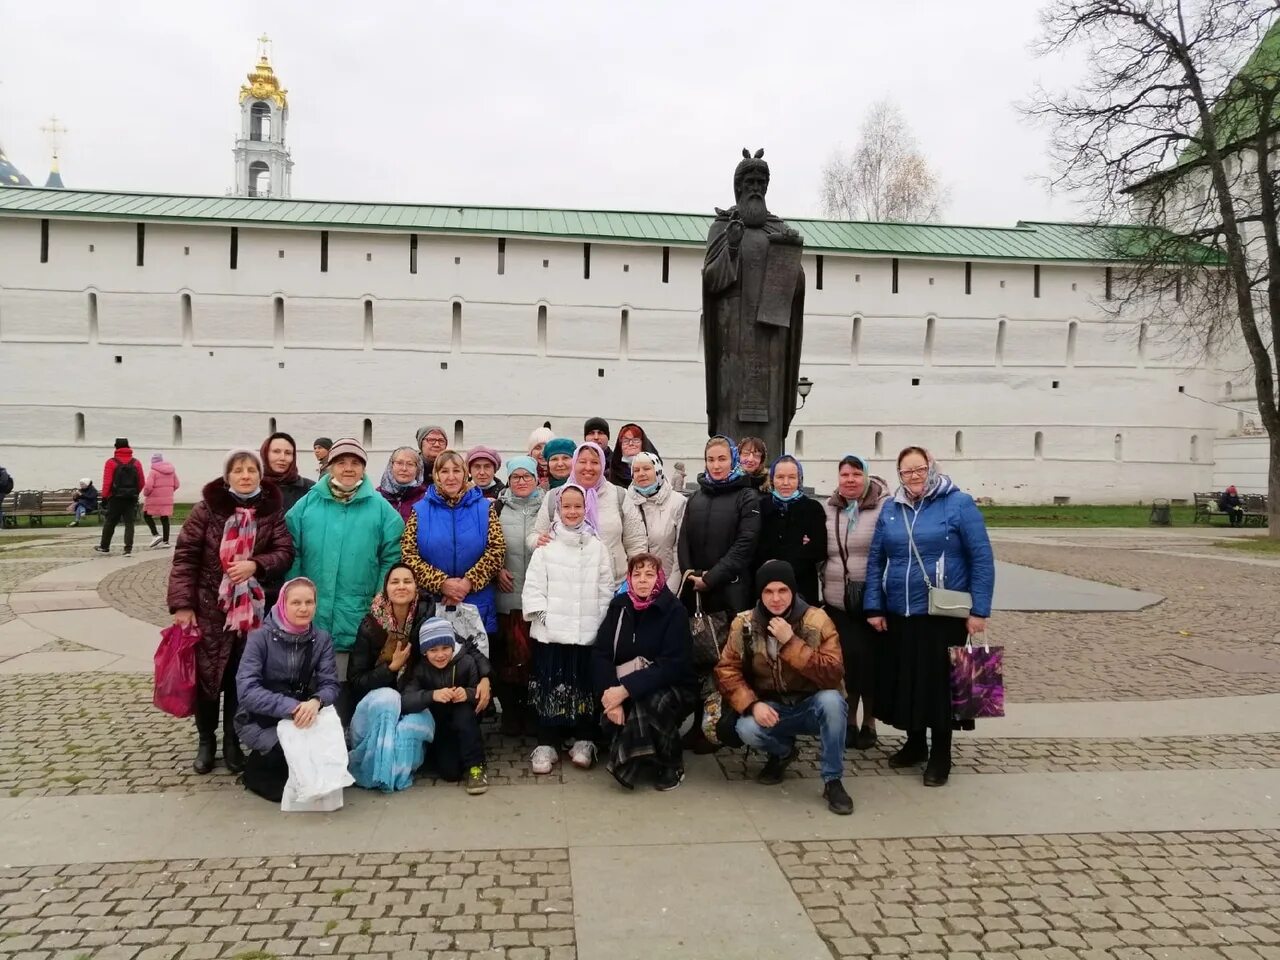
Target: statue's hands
(788, 237)
(733, 232)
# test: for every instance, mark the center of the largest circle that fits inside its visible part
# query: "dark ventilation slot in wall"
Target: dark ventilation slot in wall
(188, 322)
(142, 243)
(1001, 332)
(177, 430)
(895, 274)
(456, 333)
(1142, 344)
(278, 322)
(79, 428)
(502, 256)
(1106, 283)
(457, 435)
(1073, 335)
(542, 330)
(1195, 449)
(235, 247)
(1117, 446)
(1038, 447)
(624, 335)
(271, 425)
(1035, 280)
(1177, 287)
(413, 253)
(930, 332)
(799, 443)
(879, 444)
(959, 444)
(368, 324)
(44, 241)
(324, 251)
(93, 318)
(968, 277)
(666, 264)
(367, 433)
(586, 261)
(855, 341)
(817, 280)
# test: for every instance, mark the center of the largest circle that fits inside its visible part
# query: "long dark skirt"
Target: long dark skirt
(857, 644)
(913, 671)
(650, 732)
(561, 690)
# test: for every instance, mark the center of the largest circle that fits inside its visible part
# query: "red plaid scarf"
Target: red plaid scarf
(243, 603)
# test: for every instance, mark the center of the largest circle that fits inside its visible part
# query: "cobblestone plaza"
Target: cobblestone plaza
(1128, 806)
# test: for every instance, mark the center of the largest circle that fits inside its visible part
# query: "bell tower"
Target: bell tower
(263, 167)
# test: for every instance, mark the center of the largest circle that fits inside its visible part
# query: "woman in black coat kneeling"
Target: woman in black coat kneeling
(644, 677)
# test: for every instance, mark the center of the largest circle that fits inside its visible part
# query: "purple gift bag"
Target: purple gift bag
(977, 681)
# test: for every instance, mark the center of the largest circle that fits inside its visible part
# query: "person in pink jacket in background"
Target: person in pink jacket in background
(162, 483)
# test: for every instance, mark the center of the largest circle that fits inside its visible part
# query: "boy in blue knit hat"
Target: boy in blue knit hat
(443, 680)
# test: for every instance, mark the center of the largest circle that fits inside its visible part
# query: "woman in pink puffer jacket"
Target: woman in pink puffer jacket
(162, 483)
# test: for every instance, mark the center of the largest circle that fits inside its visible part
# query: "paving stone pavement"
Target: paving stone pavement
(1164, 896)
(1227, 607)
(14, 573)
(99, 734)
(516, 904)
(140, 590)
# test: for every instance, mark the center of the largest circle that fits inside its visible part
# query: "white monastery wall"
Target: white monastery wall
(1024, 398)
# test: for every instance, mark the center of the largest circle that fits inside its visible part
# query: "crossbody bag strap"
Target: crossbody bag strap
(841, 546)
(911, 538)
(617, 632)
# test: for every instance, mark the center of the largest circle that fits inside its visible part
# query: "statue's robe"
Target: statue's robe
(752, 362)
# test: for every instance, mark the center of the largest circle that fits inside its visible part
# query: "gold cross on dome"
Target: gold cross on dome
(54, 131)
(264, 47)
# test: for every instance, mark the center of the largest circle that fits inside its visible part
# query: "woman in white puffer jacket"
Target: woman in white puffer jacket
(567, 589)
(661, 510)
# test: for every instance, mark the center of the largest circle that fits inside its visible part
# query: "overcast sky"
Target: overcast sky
(642, 105)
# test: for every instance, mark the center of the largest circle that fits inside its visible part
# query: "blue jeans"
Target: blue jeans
(823, 715)
(81, 510)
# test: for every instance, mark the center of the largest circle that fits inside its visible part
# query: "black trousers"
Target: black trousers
(151, 525)
(119, 509)
(857, 647)
(266, 773)
(207, 710)
(458, 743)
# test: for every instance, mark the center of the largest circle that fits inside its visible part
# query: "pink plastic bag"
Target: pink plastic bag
(175, 687)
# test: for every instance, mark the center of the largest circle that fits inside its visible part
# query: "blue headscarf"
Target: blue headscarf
(393, 486)
(784, 501)
(735, 471)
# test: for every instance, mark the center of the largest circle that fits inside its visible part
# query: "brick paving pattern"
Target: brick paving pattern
(140, 591)
(974, 755)
(1164, 896)
(513, 904)
(99, 733)
(14, 572)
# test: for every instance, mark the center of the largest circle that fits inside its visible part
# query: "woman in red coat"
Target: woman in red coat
(234, 538)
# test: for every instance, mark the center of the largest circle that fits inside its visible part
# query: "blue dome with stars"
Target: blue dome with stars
(11, 176)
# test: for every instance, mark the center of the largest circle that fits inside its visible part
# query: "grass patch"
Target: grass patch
(1262, 544)
(340, 892)
(73, 778)
(366, 927)
(330, 926)
(256, 955)
(1081, 515)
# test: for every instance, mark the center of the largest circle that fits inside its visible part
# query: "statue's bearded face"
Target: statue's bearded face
(755, 184)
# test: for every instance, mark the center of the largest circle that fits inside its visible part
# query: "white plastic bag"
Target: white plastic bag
(317, 758)
(467, 623)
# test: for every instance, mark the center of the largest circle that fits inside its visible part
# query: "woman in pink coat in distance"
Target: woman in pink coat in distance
(162, 484)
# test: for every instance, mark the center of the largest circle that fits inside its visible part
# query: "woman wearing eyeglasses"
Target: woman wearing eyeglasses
(930, 535)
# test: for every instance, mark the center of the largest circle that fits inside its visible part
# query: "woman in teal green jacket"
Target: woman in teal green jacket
(346, 537)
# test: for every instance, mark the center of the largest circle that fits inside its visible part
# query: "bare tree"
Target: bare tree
(1174, 131)
(885, 177)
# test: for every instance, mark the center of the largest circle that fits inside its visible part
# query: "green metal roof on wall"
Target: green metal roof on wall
(1032, 241)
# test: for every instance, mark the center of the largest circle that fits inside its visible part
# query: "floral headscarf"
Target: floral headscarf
(935, 482)
(590, 518)
(390, 484)
(735, 471)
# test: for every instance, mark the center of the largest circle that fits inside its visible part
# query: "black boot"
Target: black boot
(232, 755)
(938, 769)
(207, 729)
(914, 751)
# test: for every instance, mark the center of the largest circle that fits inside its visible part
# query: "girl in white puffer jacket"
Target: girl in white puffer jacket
(567, 590)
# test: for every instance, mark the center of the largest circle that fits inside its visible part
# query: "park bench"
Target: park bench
(35, 505)
(1254, 504)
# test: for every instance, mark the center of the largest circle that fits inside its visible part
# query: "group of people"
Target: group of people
(125, 484)
(569, 593)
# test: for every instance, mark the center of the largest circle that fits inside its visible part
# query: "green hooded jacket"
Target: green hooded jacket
(346, 549)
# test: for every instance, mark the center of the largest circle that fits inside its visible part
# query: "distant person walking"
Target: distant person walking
(162, 483)
(122, 483)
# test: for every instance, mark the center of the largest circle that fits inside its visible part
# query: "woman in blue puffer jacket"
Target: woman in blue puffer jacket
(951, 551)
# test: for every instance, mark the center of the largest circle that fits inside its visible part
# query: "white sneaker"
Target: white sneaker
(156, 542)
(542, 760)
(583, 754)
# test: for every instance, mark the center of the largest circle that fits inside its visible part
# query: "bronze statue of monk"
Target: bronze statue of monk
(752, 313)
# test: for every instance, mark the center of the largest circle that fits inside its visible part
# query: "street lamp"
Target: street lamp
(803, 388)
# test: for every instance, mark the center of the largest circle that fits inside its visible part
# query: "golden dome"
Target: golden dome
(263, 83)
